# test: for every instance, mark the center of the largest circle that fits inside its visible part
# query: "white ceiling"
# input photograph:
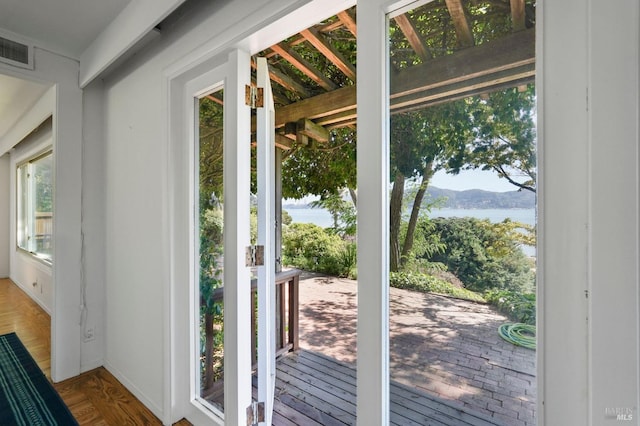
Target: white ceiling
(66, 27)
(16, 98)
(63, 26)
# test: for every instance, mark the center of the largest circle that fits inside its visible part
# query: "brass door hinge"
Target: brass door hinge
(254, 96)
(255, 413)
(254, 256)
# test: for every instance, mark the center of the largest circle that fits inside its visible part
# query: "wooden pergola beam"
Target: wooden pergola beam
(305, 67)
(461, 89)
(460, 22)
(318, 41)
(284, 80)
(349, 118)
(509, 52)
(327, 28)
(508, 60)
(410, 32)
(312, 130)
(518, 15)
(214, 99)
(283, 142)
(348, 21)
(322, 105)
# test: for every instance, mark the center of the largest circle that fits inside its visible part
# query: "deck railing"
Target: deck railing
(287, 312)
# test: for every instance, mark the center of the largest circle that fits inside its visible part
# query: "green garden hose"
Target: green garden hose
(519, 334)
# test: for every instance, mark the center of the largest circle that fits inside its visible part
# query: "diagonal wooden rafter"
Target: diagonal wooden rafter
(285, 81)
(214, 99)
(327, 28)
(348, 21)
(410, 32)
(319, 42)
(305, 67)
(460, 22)
(506, 61)
(517, 15)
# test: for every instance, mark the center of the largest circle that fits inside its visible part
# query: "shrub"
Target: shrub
(519, 307)
(308, 246)
(431, 284)
(483, 255)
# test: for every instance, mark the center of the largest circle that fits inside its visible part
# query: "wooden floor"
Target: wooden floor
(312, 389)
(95, 397)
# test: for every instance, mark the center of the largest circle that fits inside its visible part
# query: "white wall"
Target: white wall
(4, 216)
(137, 233)
(34, 276)
(590, 164)
(613, 207)
(66, 107)
(588, 254)
(93, 224)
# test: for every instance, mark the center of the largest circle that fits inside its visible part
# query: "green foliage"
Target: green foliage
(43, 175)
(308, 246)
(321, 170)
(211, 146)
(437, 135)
(505, 139)
(519, 307)
(343, 213)
(211, 251)
(286, 218)
(431, 284)
(426, 244)
(482, 255)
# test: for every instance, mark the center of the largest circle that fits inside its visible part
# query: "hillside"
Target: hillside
(479, 199)
(470, 199)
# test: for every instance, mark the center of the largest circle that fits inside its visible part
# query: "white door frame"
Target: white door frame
(587, 272)
(566, 263)
(231, 71)
(279, 19)
(266, 154)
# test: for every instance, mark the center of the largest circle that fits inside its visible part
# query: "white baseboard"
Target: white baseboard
(157, 411)
(27, 291)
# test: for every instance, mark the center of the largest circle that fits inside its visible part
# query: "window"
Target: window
(35, 202)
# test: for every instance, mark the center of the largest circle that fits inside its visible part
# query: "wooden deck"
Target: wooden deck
(313, 389)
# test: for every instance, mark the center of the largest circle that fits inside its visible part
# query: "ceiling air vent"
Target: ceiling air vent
(16, 53)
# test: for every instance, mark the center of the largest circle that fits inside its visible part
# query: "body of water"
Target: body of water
(322, 218)
(526, 216)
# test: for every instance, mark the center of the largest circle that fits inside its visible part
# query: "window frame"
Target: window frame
(21, 245)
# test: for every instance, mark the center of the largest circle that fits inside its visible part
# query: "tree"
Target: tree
(211, 153)
(506, 137)
(423, 142)
(482, 254)
(321, 169)
(494, 132)
(343, 213)
(211, 225)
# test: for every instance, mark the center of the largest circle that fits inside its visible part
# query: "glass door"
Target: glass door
(220, 291)
(265, 134)
(222, 322)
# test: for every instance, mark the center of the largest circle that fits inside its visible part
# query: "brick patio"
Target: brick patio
(443, 346)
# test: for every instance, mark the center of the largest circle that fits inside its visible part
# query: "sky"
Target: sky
(471, 179)
(466, 179)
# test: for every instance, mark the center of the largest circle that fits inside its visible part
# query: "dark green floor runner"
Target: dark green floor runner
(26, 396)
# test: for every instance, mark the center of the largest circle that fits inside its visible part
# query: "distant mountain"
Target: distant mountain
(469, 199)
(479, 199)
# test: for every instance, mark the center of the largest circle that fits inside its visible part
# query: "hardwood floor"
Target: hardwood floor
(95, 397)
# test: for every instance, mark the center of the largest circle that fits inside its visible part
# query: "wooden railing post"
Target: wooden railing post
(294, 318)
(254, 327)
